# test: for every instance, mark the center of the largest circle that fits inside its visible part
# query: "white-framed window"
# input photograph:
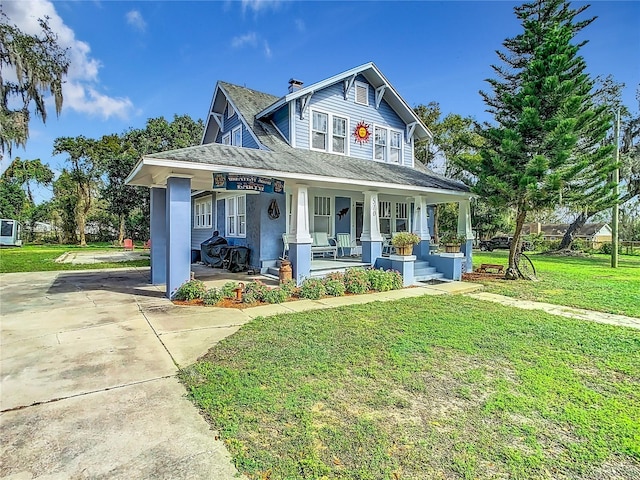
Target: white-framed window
(322, 214)
(236, 213)
(402, 217)
(339, 143)
(230, 111)
(385, 217)
(203, 212)
(236, 136)
(380, 144)
(226, 138)
(329, 132)
(362, 93)
(387, 145)
(319, 130)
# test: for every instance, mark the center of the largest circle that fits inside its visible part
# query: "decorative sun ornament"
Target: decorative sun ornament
(362, 132)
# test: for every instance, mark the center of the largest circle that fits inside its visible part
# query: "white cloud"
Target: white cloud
(80, 90)
(248, 39)
(134, 18)
(267, 49)
(259, 5)
(300, 25)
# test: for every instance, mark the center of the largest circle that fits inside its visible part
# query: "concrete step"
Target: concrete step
(428, 277)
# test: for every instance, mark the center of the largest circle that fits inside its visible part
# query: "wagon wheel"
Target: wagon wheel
(525, 267)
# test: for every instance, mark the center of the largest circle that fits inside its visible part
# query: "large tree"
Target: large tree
(36, 64)
(547, 136)
(83, 154)
(26, 172)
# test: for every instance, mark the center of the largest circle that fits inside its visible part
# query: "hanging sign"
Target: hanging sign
(232, 181)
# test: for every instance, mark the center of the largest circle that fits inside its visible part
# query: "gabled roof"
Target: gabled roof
(375, 77)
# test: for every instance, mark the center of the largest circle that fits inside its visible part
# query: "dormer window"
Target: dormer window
(334, 141)
(362, 93)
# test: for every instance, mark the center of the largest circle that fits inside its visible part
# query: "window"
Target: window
(319, 131)
(380, 139)
(362, 93)
(236, 136)
(402, 220)
(226, 139)
(385, 217)
(395, 147)
(236, 208)
(320, 139)
(203, 213)
(322, 214)
(339, 135)
(230, 111)
(387, 145)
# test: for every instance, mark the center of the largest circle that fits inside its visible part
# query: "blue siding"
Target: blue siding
(281, 119)
(229, 124)
(199, 235)
(331, 100)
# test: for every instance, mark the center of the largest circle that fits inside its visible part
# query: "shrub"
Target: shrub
(607, 248)
(356, 280)
(229, 289)
(254, 292)
(276, 295)
(289, 286)
(312, 289)
(339, 276)
(335, 288)
(190, 290)
(212, 296)
(383, 281)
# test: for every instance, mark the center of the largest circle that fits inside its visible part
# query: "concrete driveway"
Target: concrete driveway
(88, 387)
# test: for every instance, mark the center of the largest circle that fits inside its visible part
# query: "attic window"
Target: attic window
(230, 111)
(362, 93)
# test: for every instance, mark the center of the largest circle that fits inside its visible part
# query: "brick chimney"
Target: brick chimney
(295, 85)
(535, 228)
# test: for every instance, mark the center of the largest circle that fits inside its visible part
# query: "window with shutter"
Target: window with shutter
(362, 93)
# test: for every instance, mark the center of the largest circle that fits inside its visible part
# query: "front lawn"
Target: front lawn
(584, 282)
(440, 387)
(39, 258)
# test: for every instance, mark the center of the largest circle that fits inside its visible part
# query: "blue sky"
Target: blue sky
(137, 60)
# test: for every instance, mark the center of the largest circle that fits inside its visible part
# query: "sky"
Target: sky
(131, 61)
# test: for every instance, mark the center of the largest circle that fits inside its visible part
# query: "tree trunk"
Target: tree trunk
(514, 250)
(84, 205)
(576, 225)
(121, 232)
(435, 233)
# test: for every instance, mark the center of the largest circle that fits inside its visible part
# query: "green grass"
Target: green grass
(584, 282)
(39, 258)
(432, 387)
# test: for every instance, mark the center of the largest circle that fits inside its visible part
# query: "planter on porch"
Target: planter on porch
(405, 251)
(452, 247)
(404, 242)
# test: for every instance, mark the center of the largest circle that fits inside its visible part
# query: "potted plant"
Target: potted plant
(404, 242)
(452, 242)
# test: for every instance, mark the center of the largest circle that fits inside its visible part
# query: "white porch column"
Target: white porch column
(464, 228)
(421, 226)
(371, 239)
(299, 237)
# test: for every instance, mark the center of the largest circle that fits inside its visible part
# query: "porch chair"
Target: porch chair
(344, 241)
(322, 244)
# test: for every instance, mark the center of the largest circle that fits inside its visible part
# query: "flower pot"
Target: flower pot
(452, 248)
(406, 250)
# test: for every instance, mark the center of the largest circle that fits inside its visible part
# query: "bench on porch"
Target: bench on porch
(490, 266)
(322, 244)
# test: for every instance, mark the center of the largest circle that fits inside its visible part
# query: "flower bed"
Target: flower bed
(354, 281)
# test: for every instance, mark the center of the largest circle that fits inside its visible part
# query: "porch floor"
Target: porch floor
(341, 262)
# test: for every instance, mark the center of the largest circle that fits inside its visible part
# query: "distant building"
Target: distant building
(594, 233)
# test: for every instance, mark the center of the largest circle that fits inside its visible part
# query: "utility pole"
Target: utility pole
(614, 214)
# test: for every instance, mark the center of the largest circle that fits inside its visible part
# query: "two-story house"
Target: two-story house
(336, 157)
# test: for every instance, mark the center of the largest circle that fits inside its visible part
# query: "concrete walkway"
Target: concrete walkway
(569, 312)
(88, 368)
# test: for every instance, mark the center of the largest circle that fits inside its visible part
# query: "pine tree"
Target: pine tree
(547, 139)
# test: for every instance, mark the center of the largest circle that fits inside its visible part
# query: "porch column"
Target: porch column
(158, 228)
(371, 239)
(178, 233)
(464, 228)
(299, 237)
(421, 226)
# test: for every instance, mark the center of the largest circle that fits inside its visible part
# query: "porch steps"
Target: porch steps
(423, 272)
